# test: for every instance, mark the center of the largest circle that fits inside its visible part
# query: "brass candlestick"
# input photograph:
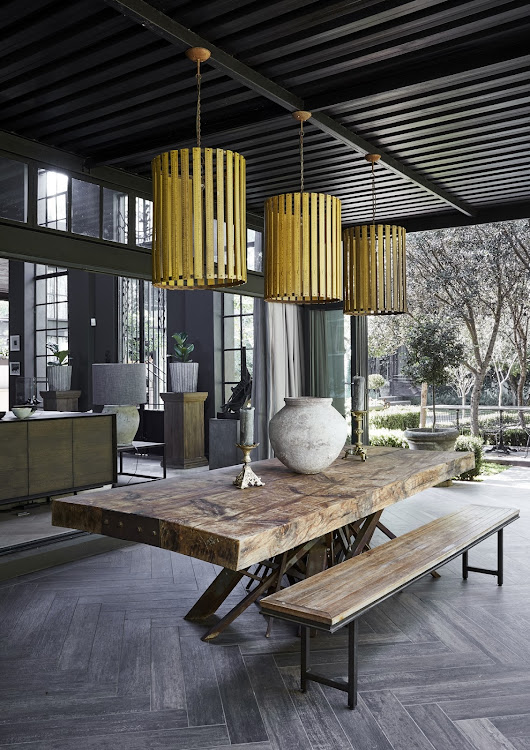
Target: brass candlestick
(246, 477)
(358, 448)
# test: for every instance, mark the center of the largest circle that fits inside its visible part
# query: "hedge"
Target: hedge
(396, 418)
(389, 438)
(467, 443)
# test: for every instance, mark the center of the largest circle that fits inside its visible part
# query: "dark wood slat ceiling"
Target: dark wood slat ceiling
(442, 86)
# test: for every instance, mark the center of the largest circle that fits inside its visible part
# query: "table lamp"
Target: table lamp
(119, 388)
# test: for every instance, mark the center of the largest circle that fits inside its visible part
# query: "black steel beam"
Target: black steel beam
(175, 33)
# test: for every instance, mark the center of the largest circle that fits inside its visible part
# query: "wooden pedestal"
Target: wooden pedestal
(60, 400)
(184, 429)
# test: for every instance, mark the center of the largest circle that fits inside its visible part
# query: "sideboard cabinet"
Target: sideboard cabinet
(56, 454)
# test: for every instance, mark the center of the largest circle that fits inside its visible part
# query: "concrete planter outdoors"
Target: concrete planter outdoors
(308, 434)
(424, 439)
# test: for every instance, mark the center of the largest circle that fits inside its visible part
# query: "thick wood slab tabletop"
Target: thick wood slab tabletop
(206, 517)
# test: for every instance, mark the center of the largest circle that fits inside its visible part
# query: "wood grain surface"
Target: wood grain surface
(339, 592)
(208, 518)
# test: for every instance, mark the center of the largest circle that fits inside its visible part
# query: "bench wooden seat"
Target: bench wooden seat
(339, 595)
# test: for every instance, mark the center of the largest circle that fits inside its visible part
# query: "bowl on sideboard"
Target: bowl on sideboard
(23, 412)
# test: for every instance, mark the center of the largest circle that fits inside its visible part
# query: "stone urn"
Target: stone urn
(308, 434)
(424, 439)
(59, 377)
(184, 376)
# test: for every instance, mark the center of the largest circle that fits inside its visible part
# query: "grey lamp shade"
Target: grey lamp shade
(121, 384)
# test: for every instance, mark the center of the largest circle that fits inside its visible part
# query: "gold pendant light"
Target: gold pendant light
(374, 265)
(199, 209)
(303, 253)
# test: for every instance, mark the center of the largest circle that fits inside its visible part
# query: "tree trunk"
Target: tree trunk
(433, 408)
(423, 405)
(475, 398)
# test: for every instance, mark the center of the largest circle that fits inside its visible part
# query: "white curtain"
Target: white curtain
(285, 354)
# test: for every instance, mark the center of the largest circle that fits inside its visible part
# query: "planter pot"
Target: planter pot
(184, 376)
(59, 377)
(308, 434)
(424, 439)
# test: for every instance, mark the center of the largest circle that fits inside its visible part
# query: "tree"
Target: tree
(461, 273)
(461, 380)
(432, 348)
(517, 235)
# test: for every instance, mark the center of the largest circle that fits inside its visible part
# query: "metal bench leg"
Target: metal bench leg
(500, 557)
(352, 664)
(500, 562)
(306, 674)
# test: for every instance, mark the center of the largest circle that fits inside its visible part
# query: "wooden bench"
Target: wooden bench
(340, 595)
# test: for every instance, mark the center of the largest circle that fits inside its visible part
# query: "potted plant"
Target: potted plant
(432, 349)
(59, 370)
(184, 373)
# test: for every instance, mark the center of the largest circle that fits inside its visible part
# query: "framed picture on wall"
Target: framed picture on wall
(14, 343)
(14, 368)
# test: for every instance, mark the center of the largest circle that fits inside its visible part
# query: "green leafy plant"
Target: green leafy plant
(396, 418)
(468, 443)
(182, 349)
(61, 356)
(432, 348)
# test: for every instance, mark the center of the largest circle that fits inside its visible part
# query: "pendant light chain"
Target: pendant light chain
(198, 117)
(301, 156)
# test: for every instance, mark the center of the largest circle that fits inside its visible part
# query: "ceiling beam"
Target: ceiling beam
(175, 33)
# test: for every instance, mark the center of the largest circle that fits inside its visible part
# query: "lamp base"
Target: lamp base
(127, 422)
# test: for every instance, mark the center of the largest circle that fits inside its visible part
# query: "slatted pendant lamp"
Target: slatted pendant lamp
(374, 265)
(303, 260)
(199, 207)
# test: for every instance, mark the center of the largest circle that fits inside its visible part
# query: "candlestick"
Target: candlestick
(357, 449)
(357, 393)
(246, 425)
(246, 477)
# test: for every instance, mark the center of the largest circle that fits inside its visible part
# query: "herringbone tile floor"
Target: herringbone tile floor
(95, 654)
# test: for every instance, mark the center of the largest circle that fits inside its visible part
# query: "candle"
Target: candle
(246, 426)
(357, 393)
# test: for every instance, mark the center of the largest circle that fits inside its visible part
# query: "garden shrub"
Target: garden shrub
(467, 443)
(396, 418)
(389, 438)
(515, 436)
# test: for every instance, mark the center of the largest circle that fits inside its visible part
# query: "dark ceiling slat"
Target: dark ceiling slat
(318, 71)
(444, 110)
(23, 60)
(451, 66)
(484, 81)
(491, 112)
(409, 33)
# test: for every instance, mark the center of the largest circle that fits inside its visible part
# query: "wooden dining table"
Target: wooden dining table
(292, 527)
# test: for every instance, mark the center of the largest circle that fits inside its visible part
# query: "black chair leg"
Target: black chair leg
(464, 565)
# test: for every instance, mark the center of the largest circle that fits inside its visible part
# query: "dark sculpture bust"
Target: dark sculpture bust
(241, 392)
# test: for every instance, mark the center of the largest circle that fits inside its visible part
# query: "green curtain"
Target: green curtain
(326, 356)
